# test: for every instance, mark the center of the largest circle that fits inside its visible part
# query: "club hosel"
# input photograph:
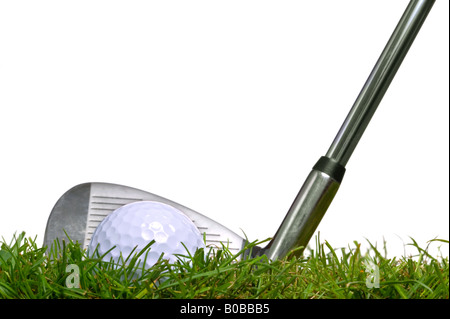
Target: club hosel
(308, 208)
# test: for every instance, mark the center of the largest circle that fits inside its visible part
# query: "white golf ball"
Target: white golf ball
(137, 224)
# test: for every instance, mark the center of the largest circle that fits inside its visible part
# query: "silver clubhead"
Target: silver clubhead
(82, 208)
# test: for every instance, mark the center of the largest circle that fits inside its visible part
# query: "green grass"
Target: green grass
(27, 271)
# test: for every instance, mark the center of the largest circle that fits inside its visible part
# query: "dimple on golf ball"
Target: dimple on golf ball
(137, 224)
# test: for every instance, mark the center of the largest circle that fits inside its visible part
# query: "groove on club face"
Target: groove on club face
(99, 208)
(85, 206)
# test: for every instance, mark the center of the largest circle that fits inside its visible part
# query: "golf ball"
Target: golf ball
(137, 224)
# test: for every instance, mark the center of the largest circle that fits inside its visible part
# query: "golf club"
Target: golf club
(81, 209)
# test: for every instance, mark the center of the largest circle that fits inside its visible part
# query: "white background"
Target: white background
(224, 107)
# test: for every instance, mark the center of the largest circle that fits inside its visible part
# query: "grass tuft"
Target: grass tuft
(65, 271)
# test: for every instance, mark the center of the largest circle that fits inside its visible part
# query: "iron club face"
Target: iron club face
(82, 208)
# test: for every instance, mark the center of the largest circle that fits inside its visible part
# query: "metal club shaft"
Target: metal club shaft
(323, 182)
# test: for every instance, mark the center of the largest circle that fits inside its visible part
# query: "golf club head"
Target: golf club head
(82, 208)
